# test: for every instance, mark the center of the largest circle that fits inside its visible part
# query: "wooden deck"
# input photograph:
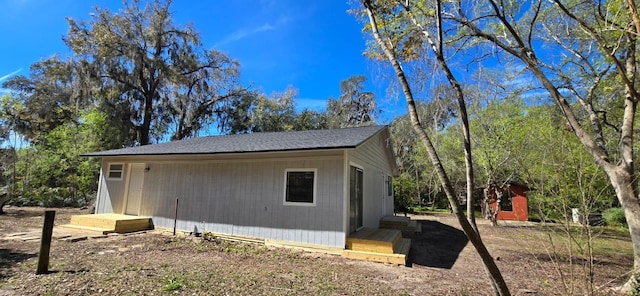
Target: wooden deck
(109, 223)
(379, 245)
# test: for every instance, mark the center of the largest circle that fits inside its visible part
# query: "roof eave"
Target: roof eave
(100, 155)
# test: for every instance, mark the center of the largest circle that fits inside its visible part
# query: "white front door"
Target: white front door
(134, 191)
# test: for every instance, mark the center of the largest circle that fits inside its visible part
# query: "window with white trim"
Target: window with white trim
(300, 186)
(115, 171)
(389, 186)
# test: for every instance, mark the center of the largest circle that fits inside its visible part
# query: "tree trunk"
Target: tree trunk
(497, 281)
(437, 48)
(622, 182)
(3, 201)
(145, 129)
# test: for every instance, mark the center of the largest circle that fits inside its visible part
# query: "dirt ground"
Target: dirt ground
(534, 260)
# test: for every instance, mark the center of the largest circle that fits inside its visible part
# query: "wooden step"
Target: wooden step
(378, 245)
(403, 247)
(405, 224)
(374, 240)
(96, 222)
(123, 226)
(398, 259)
(108, 223)
(394, 221)
(88, 228)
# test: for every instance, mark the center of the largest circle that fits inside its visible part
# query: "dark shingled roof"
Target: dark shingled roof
(255, 142)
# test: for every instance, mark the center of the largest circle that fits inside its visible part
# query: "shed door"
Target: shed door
(134, 192)
(356, 187)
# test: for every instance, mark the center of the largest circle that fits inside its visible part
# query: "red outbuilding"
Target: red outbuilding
(506, 202)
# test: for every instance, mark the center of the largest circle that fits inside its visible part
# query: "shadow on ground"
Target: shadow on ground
(439, 245)
(19, 214)
(9, 258)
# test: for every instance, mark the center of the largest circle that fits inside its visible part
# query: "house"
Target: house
(307, 188)
(506, 202)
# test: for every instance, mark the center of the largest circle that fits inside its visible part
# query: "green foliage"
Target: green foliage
(52, 172)
(615, 217)
(276, 113)
(405, 191)
(512, 142)
(173, 283)
(256, 112)
(635, 286)
(408, 151)
(311, 120)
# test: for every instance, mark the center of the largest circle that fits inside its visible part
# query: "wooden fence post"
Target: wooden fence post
(45, 242)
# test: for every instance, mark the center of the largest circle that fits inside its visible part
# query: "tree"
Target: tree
(311, 120)
(531, 145)
(151, 74)
(7, 152)
(257, 112)
(435, 115)
(414, 166)
(354, 106)
(238, 110)
(52, 173)
(387, 14)
(583, 54)
(58, 127)
(48, 98)
(500, 139)
(587, 62)
(274, 114)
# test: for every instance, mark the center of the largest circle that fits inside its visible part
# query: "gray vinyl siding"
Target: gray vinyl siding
(110, 188)
(240, 197)
(372, 157)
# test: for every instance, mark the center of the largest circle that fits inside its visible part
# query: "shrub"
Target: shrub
(615, 217)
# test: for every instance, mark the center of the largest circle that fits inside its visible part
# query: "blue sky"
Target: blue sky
(311, 45)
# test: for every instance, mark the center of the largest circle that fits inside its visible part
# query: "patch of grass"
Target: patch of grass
(164, 265)
(421, 208)
(202, 247)
(241, 248)
(131, 267)
(611, 247)
(173, 283)
(326, 288)
(430, 210)
(605, 241)
(28, 265)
